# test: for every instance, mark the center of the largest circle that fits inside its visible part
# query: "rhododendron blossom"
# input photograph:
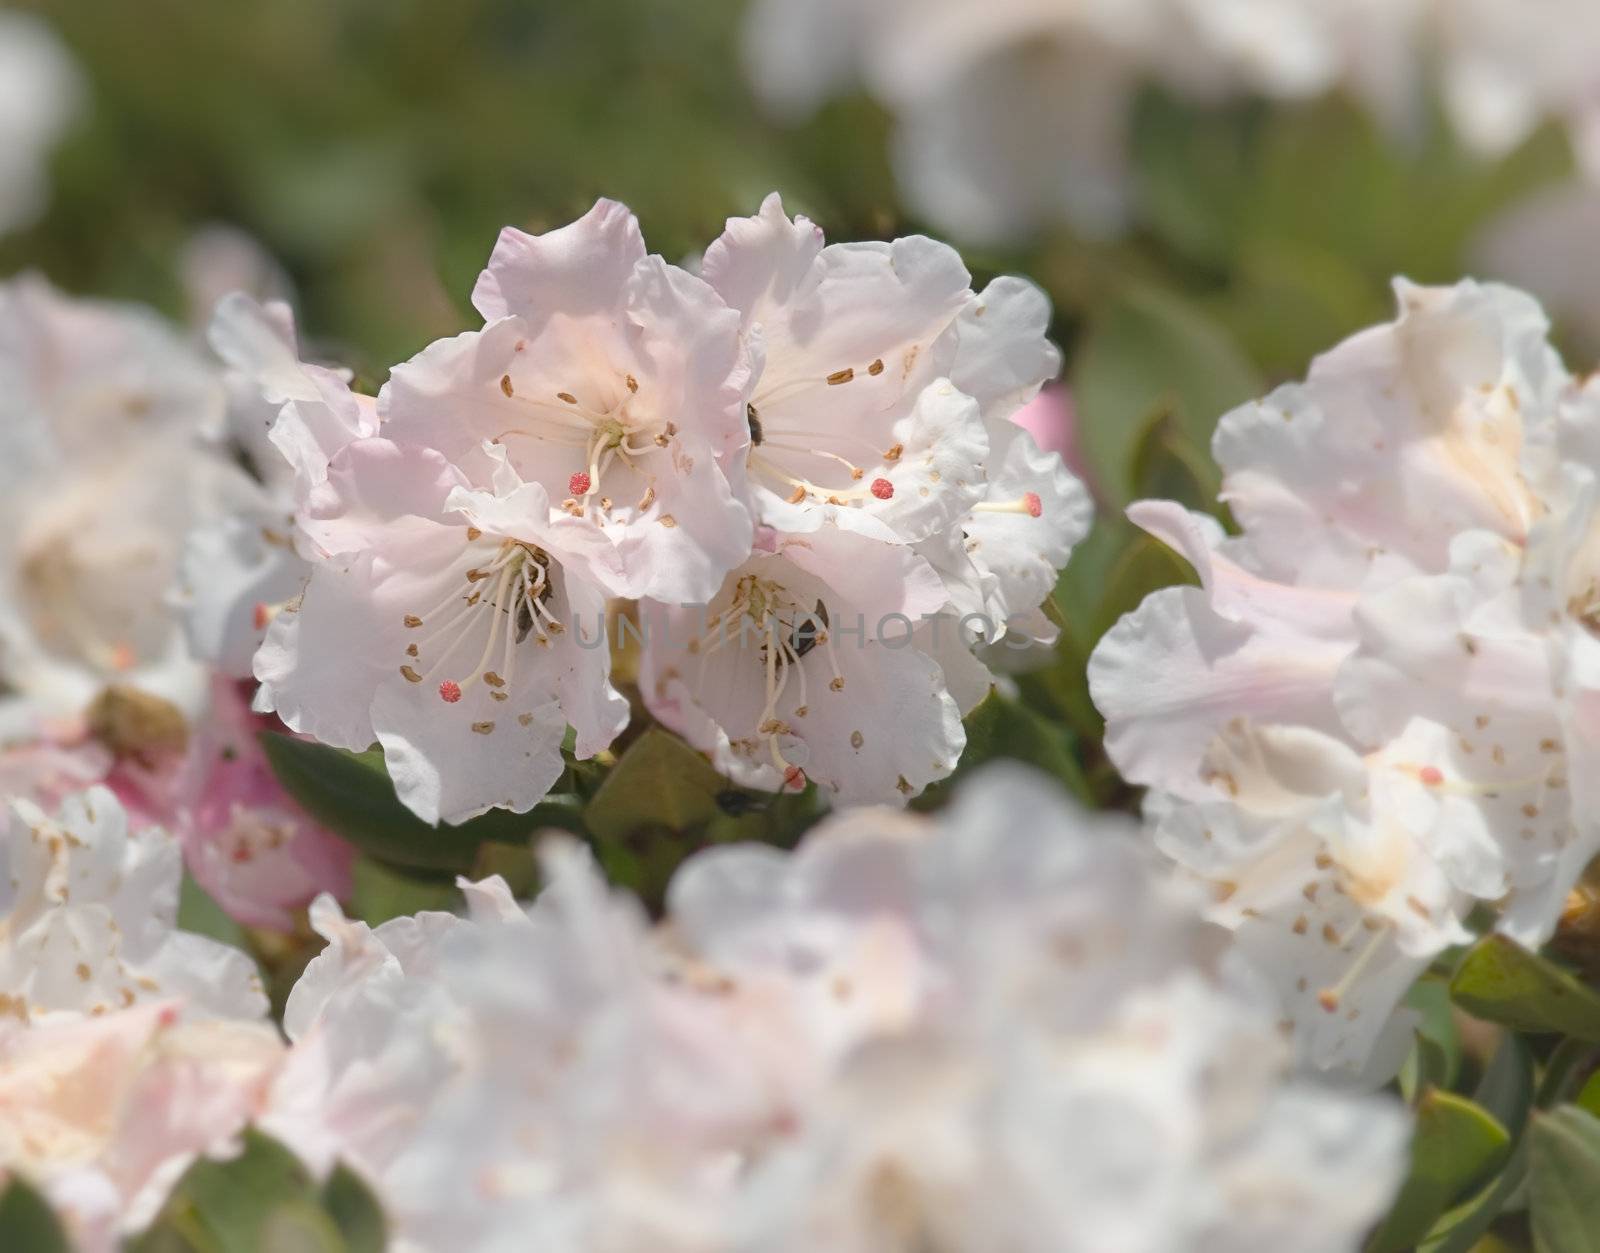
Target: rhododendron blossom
(802, 668)
(444, 624)
(1373, 710)
(103, 409)
(1011, 114)
(824, 1048)
(88, 911)
(611, 379)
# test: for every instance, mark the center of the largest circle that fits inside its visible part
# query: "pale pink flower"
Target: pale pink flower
(803, 667)
(613, 381)
(105, 1114)
(447, 623)
(1365, 722)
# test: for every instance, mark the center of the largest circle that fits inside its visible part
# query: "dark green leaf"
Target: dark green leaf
(1564, 1181)
(27, 1223)
(1506, 1088)
(1456, 1145)
(1501, 981)
(1436, 1059)
(351, 1205)
(350, 793)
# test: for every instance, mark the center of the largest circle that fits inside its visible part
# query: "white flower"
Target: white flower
(611, 379)
(101, 411)
(1368, 718)
(848, 409)
(1003, 1027)
(89, 912)
(883, 397)
(289, 419)
(40, 93)
(803, 666)
(1018, 111)
(105, 1114)
(1011, 114)
(446, 623)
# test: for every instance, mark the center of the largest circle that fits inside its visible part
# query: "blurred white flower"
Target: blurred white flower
(1014, 113)
(41, 92)
(88, 920)
(104, 1114)
(103, 414)
(1003, 1027)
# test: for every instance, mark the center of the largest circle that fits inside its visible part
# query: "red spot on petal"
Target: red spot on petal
(449, 691)
(263, 615)
(1030, 502)
(579, 483)
(794, 777)
(123, 657)
(882, 489)
(1431, 775)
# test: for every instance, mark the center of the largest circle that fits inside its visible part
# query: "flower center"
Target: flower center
(515, 591)
(785, 455)
(780, 631)
(609, 435)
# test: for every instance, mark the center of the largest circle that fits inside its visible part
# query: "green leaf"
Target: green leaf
(1589, 1095)
(1456, 1145)
(1436, 1059)
(351, 795)
(265, 1201)
(1564, 1181)
(1503, 982)
(660, 782)
(27, 1223)
(352, 1206)
(1460, 1230)
(1506, 1088)
(1150, 359)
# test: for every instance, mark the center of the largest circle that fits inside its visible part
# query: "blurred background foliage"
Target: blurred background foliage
(375, 147)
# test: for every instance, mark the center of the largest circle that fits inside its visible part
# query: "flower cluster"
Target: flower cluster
(1016, 112)
(1376, 712)
(800, 463)
(130, 535)
(964, 1034)
(127, 1047)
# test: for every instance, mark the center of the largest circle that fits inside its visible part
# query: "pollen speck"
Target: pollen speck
(1432, 776)
(882, 489)
(505, 384)
(449, 691)
(262, 615)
